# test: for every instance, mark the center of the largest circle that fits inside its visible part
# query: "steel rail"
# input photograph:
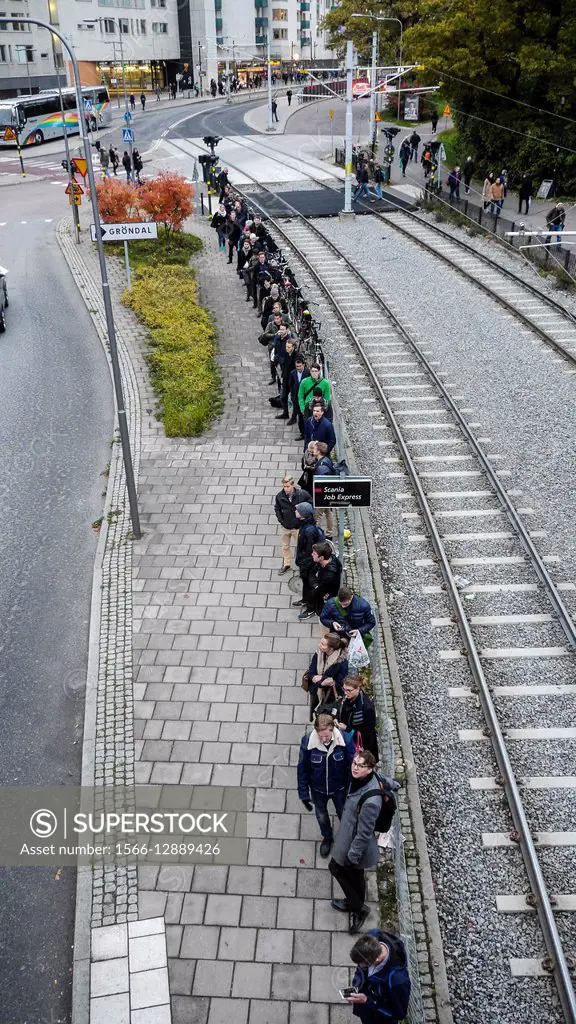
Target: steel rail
(469, 249)
(559, 966)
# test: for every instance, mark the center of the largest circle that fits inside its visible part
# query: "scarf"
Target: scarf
(325, 661)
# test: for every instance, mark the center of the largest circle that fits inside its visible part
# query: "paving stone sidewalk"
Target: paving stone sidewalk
(218, 655)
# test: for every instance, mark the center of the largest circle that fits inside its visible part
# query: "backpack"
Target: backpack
(388, 808)
(327, 462)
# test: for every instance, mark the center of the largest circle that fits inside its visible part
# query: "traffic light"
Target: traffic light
(211, 141)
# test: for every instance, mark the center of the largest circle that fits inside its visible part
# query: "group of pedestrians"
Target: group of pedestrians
(338, 756)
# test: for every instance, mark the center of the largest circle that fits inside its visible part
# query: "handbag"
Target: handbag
(305, 682)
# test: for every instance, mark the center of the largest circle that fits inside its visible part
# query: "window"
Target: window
(280, 14)
(85, 27)
(24, 54)
(160, 27)
(123, 26)
(3, 54)
(280, 33)
(18, 26)
(44, 56)
(3, 24)
(142, 27)
(109, 26)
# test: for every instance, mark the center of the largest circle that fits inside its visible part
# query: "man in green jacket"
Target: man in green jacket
(310, 385)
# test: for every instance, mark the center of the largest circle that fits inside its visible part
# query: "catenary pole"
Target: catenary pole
(268, 60)
(373, 91)
(123, 426)
(349, 127)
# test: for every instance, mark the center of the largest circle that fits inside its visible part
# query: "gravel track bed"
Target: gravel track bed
(478, 940)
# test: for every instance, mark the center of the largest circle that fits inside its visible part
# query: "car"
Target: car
(3, 298)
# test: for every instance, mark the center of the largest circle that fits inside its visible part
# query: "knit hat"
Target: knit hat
(305, 509)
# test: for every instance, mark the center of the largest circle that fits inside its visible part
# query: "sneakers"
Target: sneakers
(282, 416)
(297, 604)
(284, 569)
(306, 614)
(325, 847)
(341, 905)
(357, 919)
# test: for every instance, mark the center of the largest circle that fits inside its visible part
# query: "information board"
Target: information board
(545, 188)
(342, 492)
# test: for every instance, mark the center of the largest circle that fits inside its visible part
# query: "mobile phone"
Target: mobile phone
(346, 992)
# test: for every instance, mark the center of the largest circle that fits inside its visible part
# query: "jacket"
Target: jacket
(487, 189)
(359, 715)
(319, 430)
(325, 467)
(497, 191)
(326, 579)
(336, 672)
(234, 231)
(285, 507)
(324, 771)
(308, 535)
(218, 220)
(555, 218)
(388, 988)
(525, 190)
(244, 258)
(307, 387)
(362, 175)
(294, 384)
(414, 140)
(355, 844)
(468, 170)
(358, 615)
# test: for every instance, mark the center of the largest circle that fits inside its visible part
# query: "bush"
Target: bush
(117, 201)
(183, 369)
(167, 199)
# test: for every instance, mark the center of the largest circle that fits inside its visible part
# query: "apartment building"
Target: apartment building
(28, 61)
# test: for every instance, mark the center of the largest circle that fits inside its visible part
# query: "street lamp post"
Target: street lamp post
(111, 329)
(349, 128)
(373, 92)
(269, 61)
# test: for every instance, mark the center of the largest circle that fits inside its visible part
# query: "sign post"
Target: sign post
(342, 492)
(10, 135)
(126, 233)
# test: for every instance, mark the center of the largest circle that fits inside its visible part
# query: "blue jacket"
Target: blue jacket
(358, 615)
(388, 989)
(337, 672)
(319, 431)
(322, 771)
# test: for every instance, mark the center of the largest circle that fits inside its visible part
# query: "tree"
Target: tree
(117, 201)
(167, 199)
(341, 26)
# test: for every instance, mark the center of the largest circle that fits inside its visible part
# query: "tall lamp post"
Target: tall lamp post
(111, 329)
(269, 62)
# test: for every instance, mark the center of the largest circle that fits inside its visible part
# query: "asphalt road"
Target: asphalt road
(56, 422)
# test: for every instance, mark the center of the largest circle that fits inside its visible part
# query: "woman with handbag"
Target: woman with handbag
(327, 671)
(357, 714)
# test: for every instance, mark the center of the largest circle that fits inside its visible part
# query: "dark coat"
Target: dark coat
(326, 579)
(336, 673)
(359, 715)
(358, 615)
(308, 535)
(355, 844)
(526, 188)
(284, 507)
(468, 171)
(244, 257)
(294, 385)
(325, 467)
(321, 770)
(319, 430)
(362, 176)
(234, 231)
(388, 989)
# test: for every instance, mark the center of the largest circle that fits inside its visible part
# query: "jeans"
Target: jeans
(496, 206)
(378, 189)
(320, 801)
(414, 153)
(362, 190)
(352, 882)
(526, 203)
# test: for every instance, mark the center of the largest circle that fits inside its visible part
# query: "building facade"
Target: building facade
(28, 61)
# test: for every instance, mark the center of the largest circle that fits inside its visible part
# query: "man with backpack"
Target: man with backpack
(325, 467)
(370, 806)
(381, 978)
(285, 509)
(324, 773)
(309, 534)
(322, 581)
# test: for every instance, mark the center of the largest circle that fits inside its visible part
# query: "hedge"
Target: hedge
(183, 368)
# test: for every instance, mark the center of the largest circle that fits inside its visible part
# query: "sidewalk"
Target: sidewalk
(258, 118)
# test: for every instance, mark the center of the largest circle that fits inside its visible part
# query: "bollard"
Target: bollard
(202, 202)
(210, 203)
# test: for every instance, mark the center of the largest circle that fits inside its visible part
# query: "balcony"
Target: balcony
(305, 41)
(261, 3)
(304, 6)
(218, 25)
(261, 22)
(260, 40)
(304, 25)
(220, 40)
(217, 5)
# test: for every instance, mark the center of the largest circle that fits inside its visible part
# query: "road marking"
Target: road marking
(518, 905)
(529, 782)
(493, 840)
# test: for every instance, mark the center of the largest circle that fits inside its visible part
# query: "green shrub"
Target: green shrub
(183, 368)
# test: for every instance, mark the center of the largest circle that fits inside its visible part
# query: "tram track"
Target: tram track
(403, 385)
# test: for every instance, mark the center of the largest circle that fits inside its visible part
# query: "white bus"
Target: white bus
(38, 118)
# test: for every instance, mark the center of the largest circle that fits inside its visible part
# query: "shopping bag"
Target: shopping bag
(357, 654)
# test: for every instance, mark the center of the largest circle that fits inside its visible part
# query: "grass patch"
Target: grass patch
(183, 368)
(387, 896)
(173, 247)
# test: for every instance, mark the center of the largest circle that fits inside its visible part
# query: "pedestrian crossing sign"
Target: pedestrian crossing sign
(127, 135)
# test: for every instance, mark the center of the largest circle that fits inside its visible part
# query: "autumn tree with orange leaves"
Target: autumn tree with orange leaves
(118, 202)
(167, 199)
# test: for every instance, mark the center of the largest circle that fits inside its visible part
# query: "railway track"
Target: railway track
(540, 313)
(457, 481)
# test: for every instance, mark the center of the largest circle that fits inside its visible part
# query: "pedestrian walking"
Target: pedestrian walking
(555, 221)
(362, 178)
(467, 172)
(323, 580)
(378, 182)
(104, 161)
(158, 94)
(138, 164)
(324, 773)
(426, 160)
(454, 184)
(487, 190)
(381, 978)
(355, 849)
(496, 197)
(434, 120)
(114, 159)
(319, 428)
(274, 110)
(218, 222)
(309, 534)
(285, 504)
(127, 165)
(213, 88)
(289, 97)
(404, 156)
(525, 194)
(327, 672)
(504, 179)
(348, 614)
(143, 100)
(414, 141)
(357, 714)
(132, 102)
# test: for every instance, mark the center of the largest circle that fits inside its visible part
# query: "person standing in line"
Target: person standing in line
(234, 232)
(525, 193)
(285, 504)
(132, 102)
(319, 428)
(467, 173)
(349, 614)
(219, 223)
(322, 581)
(487, 190)
(313, 382)
(143, 100)
(325, 467)
(414, 141)
(434, 120)
(289, 97)
(357, 714)
(381, 978)
(327, 671)
(309, 534)
(324, 774)
(288, 366)
(356, 849)
(299, 373)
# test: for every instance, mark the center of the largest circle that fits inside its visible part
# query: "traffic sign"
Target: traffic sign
(126, 232)
(127, 135)
(88, 106)
(74, 189)
(127, 116)
(331, 114)
(9, 135)
(80, 165)
(342, 492)
(447, 111)
(377, 116)
(75, 200)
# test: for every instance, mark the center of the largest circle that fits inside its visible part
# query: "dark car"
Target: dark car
(3, 299)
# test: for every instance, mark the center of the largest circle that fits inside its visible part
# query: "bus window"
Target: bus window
(102, 96)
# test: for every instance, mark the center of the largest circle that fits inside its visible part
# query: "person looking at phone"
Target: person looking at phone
(381, 979)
